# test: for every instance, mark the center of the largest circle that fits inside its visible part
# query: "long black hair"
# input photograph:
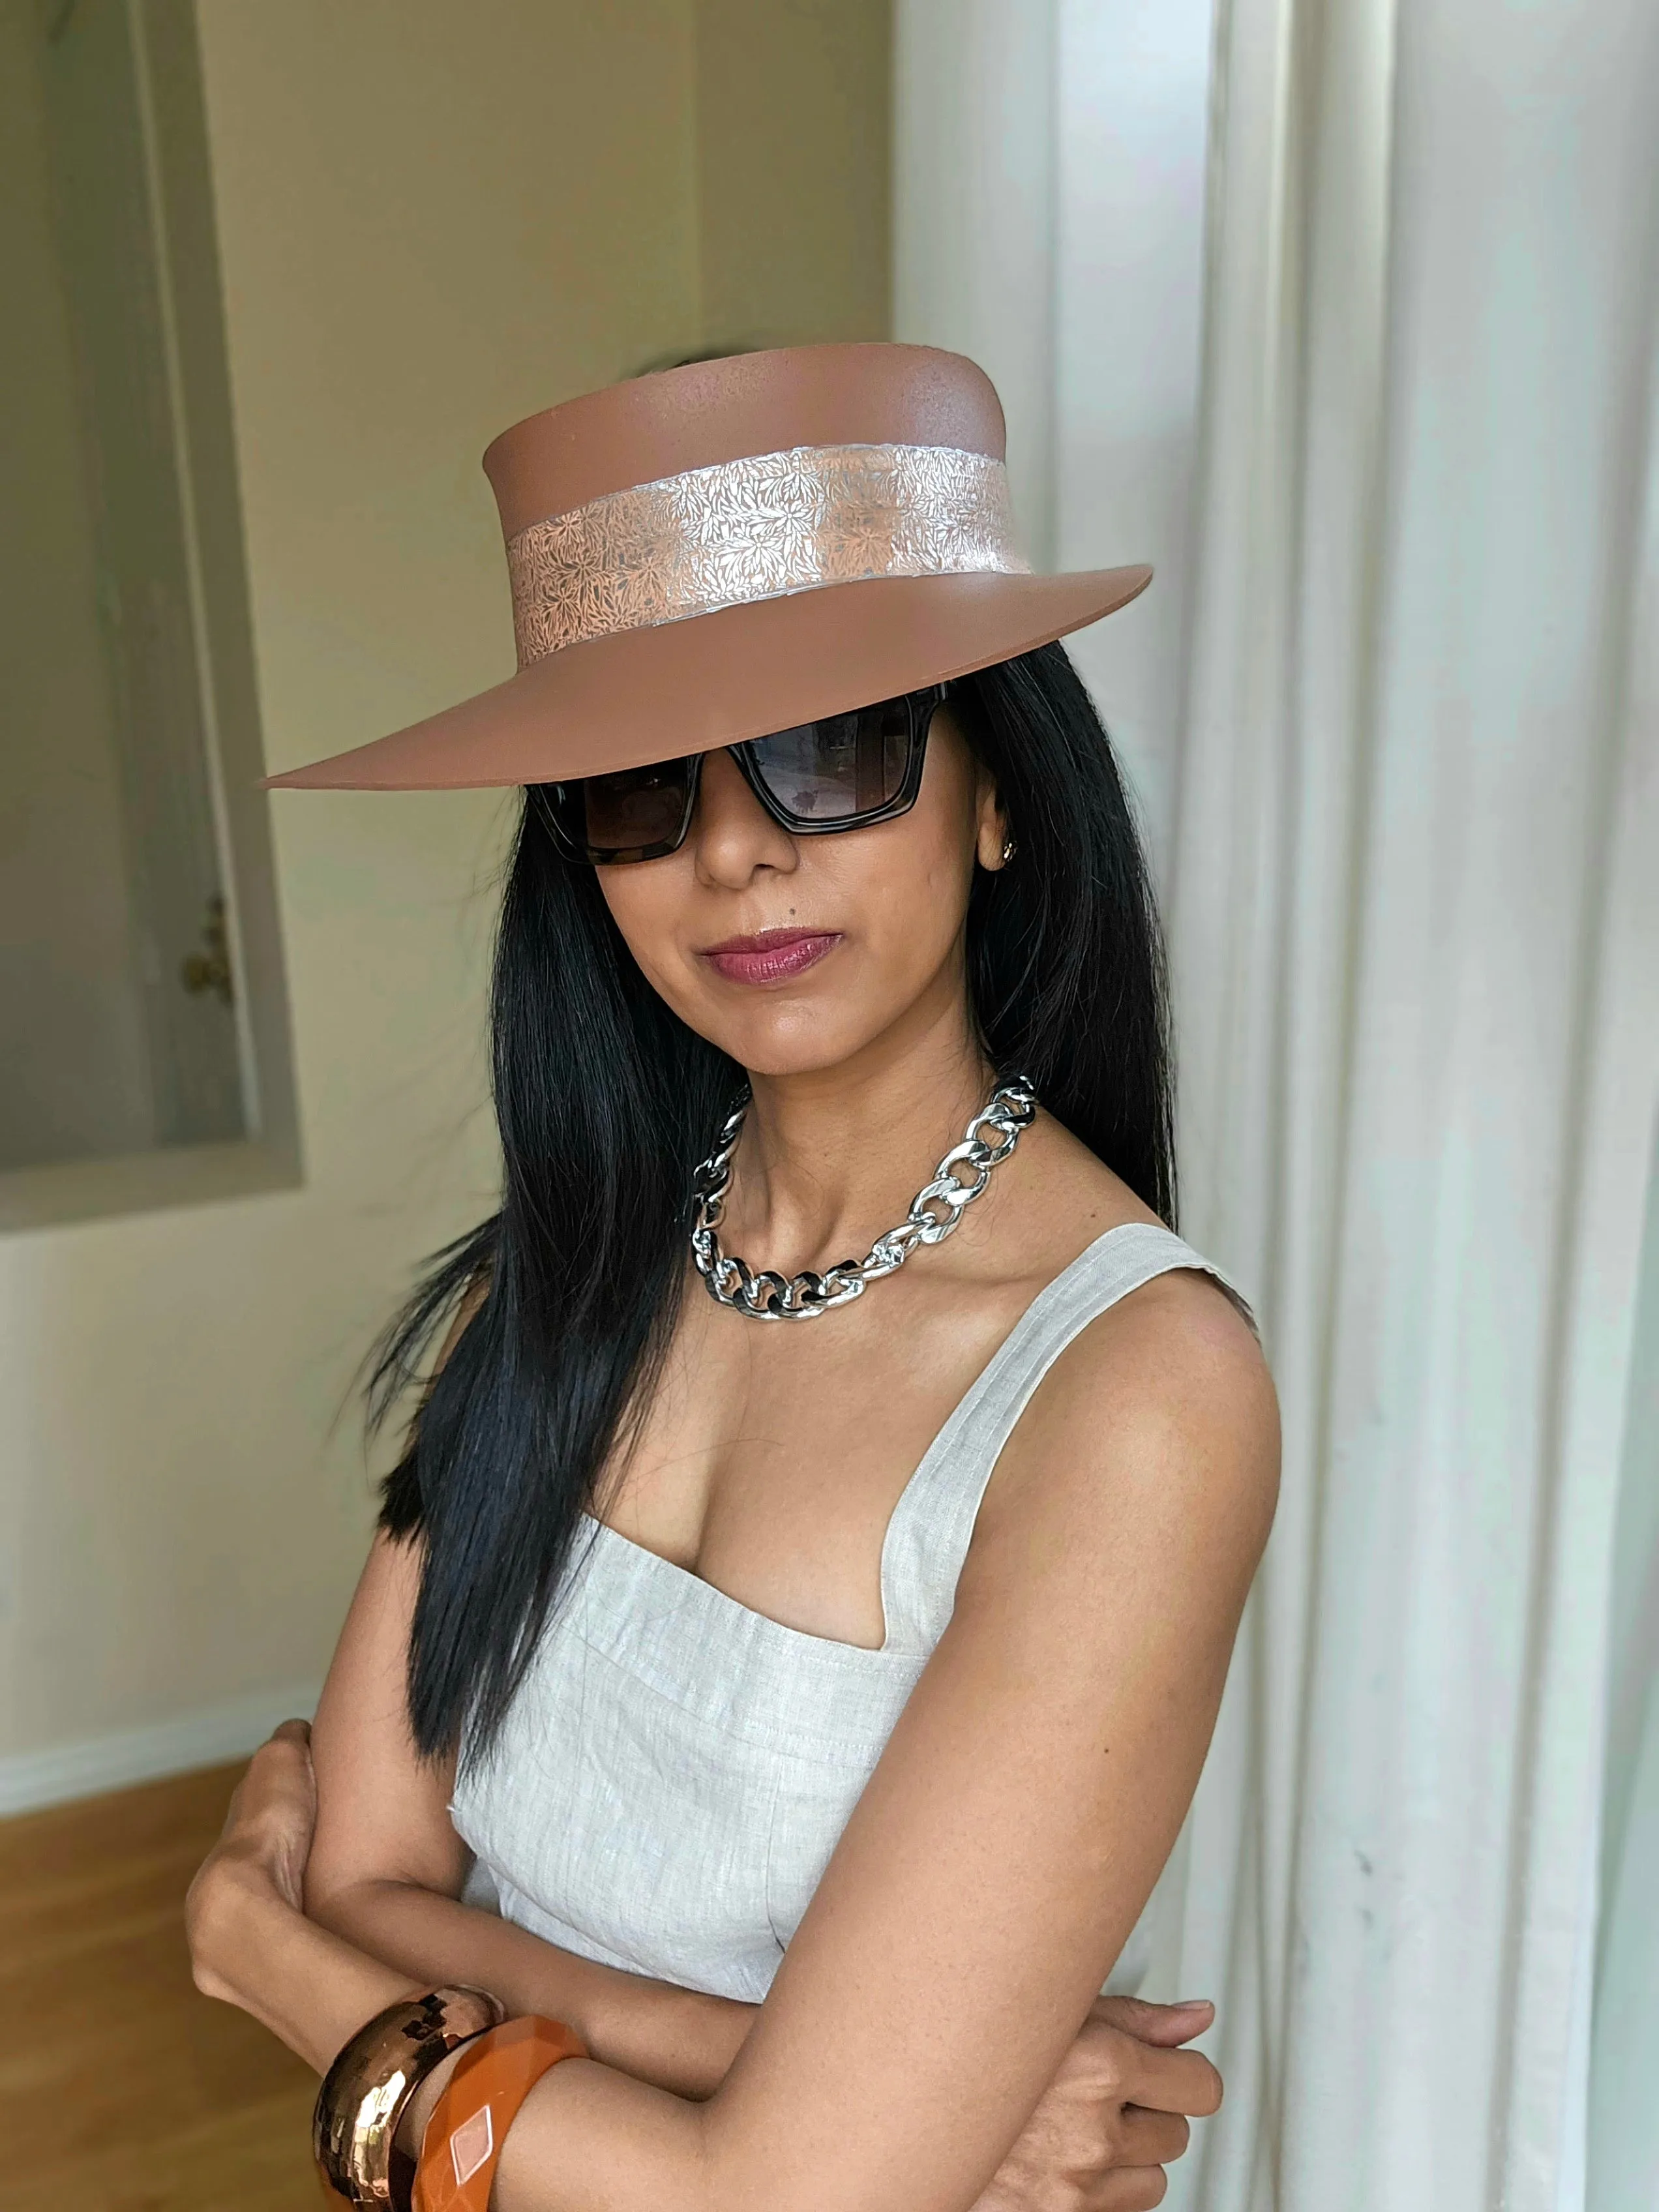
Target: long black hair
(606, 1101)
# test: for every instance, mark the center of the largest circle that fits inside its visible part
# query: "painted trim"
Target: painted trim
(31, 1779)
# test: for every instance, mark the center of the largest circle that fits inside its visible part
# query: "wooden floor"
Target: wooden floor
(121, 2089)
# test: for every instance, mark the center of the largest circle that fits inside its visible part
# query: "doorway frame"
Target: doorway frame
(173, 121)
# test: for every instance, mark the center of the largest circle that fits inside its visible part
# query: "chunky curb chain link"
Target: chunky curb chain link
(935, 1210)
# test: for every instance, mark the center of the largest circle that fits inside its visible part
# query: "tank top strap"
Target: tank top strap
(933, 1523)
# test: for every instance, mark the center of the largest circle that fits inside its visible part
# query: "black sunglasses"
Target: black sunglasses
(841, 772)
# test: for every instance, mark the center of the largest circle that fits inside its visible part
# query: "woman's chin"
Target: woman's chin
(776, 1060)
(793, 1042)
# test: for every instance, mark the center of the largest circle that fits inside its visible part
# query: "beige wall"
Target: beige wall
(793, 162)
(433, 219)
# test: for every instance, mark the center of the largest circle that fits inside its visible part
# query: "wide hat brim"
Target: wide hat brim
(716, 680)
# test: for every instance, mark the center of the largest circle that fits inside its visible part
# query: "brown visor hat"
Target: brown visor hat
(723, 550)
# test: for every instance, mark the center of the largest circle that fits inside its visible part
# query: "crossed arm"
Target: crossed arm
(990, 1874)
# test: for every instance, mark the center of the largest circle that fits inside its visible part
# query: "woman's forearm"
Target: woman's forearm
(680, 2040)
(305, 1983)
(589, 2140)
(606, 2139)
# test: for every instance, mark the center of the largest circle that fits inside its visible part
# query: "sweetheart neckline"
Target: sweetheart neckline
(938, 1442)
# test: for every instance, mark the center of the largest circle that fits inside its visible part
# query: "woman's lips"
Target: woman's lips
(772, 956)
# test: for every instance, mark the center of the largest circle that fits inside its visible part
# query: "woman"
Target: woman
(799, 1714)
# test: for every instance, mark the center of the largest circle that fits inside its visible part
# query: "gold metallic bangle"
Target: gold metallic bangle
(365, 2091)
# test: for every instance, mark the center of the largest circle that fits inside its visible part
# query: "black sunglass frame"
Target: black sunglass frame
(566, 809)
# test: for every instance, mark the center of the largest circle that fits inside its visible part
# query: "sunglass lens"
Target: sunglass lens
(637, 808)
(842, 766)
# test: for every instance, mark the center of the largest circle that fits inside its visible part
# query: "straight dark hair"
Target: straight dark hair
(606, 1101)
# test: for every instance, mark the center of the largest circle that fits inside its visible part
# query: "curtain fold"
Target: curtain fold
(1622, 2112)
(1413, 947)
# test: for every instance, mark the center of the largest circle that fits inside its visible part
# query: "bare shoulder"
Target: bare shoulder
(1165, 1398)
(1057, 1199)
(1159, 1420)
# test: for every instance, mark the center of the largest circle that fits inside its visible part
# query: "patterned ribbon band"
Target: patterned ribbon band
(757, 529)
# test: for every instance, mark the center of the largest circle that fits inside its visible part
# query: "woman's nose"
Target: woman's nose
(731, 833)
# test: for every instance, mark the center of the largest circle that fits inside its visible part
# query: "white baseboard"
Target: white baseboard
(30, 1779)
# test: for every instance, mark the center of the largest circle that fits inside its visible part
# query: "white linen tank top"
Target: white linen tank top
(675, 1770)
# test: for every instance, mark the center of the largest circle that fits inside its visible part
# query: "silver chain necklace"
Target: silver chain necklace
(934, 1212)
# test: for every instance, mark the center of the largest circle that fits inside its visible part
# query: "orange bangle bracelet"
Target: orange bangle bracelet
(495, 2073)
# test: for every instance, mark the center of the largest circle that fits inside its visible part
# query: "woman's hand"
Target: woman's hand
(261, 1851)
(250, 1941)
(1114, 2116)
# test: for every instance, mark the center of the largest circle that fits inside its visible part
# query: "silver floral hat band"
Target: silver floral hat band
(758, 528)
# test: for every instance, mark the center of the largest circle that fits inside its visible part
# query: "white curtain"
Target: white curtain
(1624, 2112)
(1413, 882)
